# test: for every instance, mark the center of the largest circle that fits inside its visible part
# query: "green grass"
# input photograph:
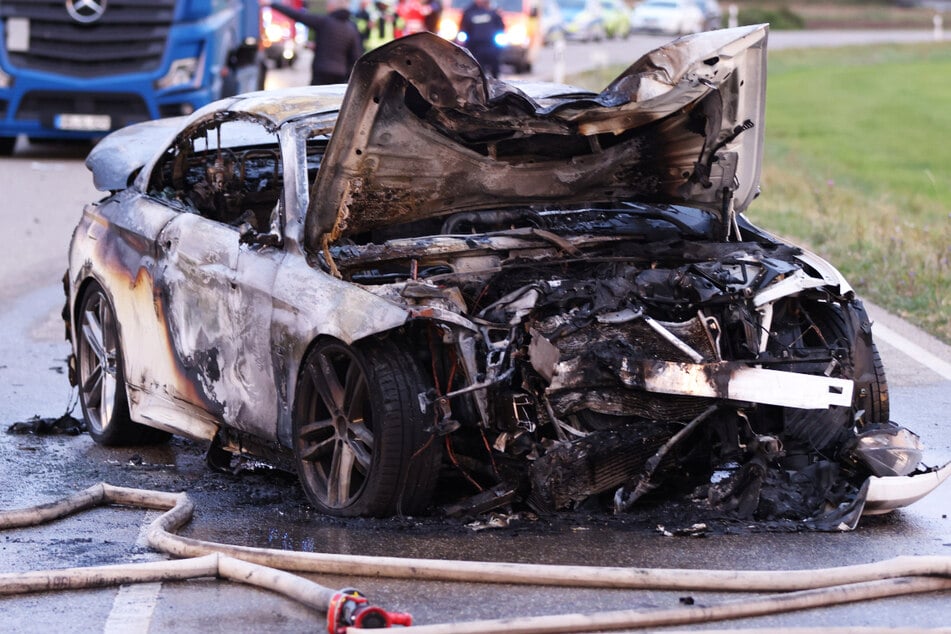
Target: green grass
(841, 14)
(858, 166)
(858, 169)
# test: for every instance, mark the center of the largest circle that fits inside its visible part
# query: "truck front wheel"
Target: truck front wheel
(7, 143)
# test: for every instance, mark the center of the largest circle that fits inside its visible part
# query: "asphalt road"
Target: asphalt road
(44, 188)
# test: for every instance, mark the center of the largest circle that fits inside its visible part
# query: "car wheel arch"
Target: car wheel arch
(88, 281)
(294, 373)
(85, 282)
(117, 426)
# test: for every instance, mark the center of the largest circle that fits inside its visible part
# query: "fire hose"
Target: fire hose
(349, 611)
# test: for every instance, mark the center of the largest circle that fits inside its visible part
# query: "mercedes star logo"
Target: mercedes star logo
(86, 11)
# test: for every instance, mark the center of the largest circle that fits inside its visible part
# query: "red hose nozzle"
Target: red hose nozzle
(348, 607)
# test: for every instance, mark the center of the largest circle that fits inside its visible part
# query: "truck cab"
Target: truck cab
(75, 70)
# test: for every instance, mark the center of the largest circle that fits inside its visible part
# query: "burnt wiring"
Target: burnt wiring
(625, 497)
(488, 451)
(455, 462)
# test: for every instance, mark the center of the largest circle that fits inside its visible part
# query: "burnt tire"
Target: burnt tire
(834, 325)
(879, 410)
(359, 439)
(100, 375)
(840, 329)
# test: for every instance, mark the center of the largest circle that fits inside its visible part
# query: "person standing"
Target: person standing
(411, 14)
(383, 25)
(337, 41)
(432, 14)
(481, 24)
(362, 18)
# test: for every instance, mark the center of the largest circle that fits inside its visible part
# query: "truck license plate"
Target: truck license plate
(18, 35)
(84, 122)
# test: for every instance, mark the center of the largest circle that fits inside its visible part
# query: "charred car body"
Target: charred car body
(551, 294)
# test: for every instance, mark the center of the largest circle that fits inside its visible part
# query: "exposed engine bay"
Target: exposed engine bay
(603, 352)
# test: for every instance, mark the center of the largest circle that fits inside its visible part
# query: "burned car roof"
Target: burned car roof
(422, 131)
(119, 156)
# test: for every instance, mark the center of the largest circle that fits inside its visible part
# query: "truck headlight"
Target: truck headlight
(182, 72)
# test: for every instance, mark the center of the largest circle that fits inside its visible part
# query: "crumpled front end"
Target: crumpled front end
(587, 337)
(619, 354)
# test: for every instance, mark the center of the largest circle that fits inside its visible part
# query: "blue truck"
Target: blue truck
(78, 69)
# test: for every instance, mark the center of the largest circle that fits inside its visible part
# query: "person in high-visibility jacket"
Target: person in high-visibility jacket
(361, 18)
(383, 25)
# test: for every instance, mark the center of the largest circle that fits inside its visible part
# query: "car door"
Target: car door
(218, 310)
(216, 261)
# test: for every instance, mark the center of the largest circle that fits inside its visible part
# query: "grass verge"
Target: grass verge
(843, 14)
(858, 169)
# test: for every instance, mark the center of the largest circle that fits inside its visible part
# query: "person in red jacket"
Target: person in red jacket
(411, 14)
(337, 41)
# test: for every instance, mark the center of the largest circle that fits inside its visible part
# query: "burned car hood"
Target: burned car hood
(423, 132)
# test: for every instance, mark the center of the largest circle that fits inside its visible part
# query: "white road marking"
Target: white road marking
(133, 608)
(916, 352)
(135, 603)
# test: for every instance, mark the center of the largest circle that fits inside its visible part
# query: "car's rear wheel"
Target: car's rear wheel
(102, 393)
(359, 438)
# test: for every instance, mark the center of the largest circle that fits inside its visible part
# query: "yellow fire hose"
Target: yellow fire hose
(267, 568)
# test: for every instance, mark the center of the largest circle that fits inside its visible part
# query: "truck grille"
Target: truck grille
(130, 37)
(124, 109)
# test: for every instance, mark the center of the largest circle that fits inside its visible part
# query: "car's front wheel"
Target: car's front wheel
(102, 393)
(359, 438)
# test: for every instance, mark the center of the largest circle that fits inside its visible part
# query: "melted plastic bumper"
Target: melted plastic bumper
(885, 494)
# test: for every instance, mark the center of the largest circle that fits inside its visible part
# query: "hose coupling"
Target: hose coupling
(349, 608)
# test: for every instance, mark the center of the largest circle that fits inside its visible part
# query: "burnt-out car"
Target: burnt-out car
(536, 292)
